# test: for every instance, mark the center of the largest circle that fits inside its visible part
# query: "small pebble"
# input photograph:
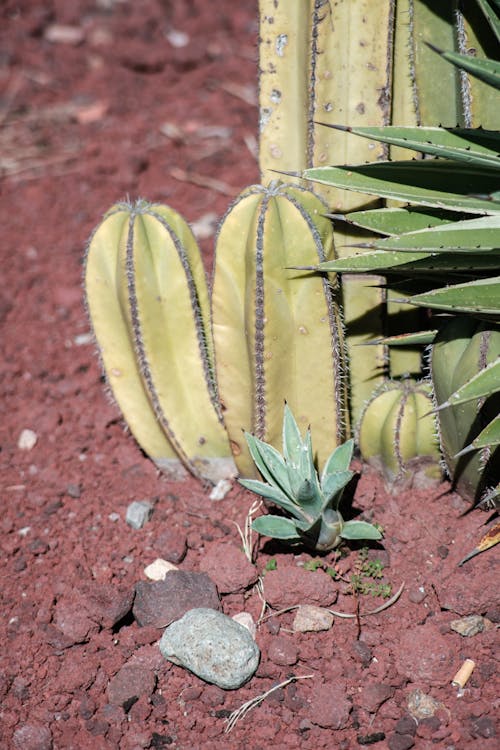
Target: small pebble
(246, 619)
(312, 618)
(138, 513)
(421, 706)
(220, 490)
(74, 491)
(468, 626)
(158, 569)
(27, 440)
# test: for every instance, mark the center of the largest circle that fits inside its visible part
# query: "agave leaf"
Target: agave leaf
(359, 530)
(276, 528)
(471, 235)
(407, 339)
(269, 462)
(339, 459)
(332, 486)
(399, 261)
(272, 493)
(487, 71)
(424, 182)
(486, 381)
(292, 439)
(481, 296)
(487, 438)
(491, 16)
(487, 541)
(473, 146)
(393, 221)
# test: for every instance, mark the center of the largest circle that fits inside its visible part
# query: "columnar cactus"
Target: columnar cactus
(397, 433)
(148, 301)
(277, 331)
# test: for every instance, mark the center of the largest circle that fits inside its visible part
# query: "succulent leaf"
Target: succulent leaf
(484, 383)
(315, 520)
(481, 297)
(487, 71)
(359, 530)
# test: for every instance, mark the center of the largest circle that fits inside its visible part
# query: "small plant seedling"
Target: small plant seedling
(292, 483)
(368, 575)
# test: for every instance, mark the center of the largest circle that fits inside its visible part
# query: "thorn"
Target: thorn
(287, 174)
(464, 451)
(434, 48)
(343, 128)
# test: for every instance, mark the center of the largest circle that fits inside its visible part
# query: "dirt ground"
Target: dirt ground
(103, 99)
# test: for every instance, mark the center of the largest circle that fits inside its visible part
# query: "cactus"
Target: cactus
(148, 301)
(397, 433)
(463, 348)
(277, 332)
(292, 483)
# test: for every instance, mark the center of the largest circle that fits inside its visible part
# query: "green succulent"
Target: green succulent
(311, 503)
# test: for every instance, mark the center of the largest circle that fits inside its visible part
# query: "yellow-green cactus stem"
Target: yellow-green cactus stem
(277, 331)
(397, 433)
(148, 301)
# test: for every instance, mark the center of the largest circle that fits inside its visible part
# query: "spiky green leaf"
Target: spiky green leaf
(292, 439)
(269, 463)
(487, 71)
(276, 528)
(393, 221)
(474, 146)
(487, 438)
(471, 236)
(402, 261)
(486, 381)
(272, 493)
(407, 339)
(425, 182)
(339, 460)
(490, 16)
(359, 530)
(333, 486)
(481, 296)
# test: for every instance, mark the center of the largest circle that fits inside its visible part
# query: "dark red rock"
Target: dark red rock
(228, 567)
(400, 742)
(159, 603)
(329, 707)
(132, 681)
(32, 737)
(107, 603)
(171, 545)
(373, 695)
(291, 584)
(283, 651)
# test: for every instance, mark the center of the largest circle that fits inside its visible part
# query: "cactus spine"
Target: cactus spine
(148, 300)
(277, 332)
(397, 434)
(462, 349)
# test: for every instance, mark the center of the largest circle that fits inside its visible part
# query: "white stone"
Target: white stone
(246, 619)
(311, 618)
(221, 489)
(158, 569)
(27, 440)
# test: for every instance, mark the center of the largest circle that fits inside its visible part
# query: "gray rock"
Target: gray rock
(158, 603)
(138, 513)
(213, 647)
(468, 626)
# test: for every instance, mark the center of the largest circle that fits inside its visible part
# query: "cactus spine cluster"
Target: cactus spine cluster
(277, 332)
(463, 348)
(148, 301)
(397, 433)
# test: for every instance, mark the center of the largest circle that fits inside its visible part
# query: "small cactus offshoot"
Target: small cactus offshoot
(292, 483)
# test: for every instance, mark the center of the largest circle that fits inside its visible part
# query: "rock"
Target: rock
(171, 545)
(161, 602)
(374, 695)
(283, 651)
(221, 489)
(289, 584)
(362, 653)
(482, 727)
(107, 603)
(406, 725)
(370, 739)
(329, 707)
(26, 442)
(132, 681)
(212, 646)
(71, 619)
(422, 706)
(32, 737)
(138, 513)
(425, 655)
(246, 619)
(311, 618)
(400, 742)
(158, 569)
(58, 33)
(468, 626)
(227, 565)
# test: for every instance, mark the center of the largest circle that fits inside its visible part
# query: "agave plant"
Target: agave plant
(292, 483)
(451, 228)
